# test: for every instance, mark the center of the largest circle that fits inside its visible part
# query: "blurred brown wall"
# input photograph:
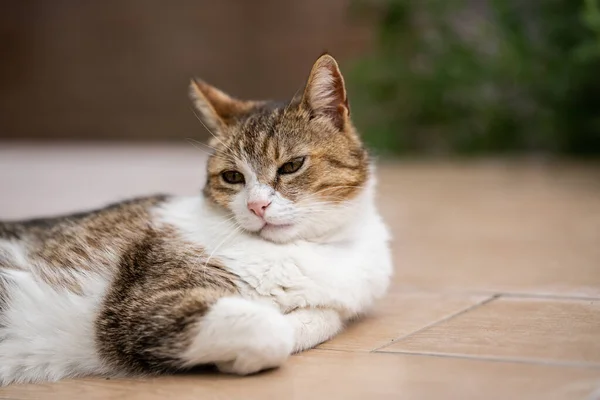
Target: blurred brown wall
(119, 69)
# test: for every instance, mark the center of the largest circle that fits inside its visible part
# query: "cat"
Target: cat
(281, 249)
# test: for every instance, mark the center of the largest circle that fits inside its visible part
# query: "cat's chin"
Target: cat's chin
(278, 233)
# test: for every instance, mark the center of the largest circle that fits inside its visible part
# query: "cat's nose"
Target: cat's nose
(259, 207)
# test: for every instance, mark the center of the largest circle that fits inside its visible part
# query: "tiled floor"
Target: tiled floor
(496, 293)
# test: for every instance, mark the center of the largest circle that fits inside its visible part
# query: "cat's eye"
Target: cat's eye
(291, 166)
(233, 177)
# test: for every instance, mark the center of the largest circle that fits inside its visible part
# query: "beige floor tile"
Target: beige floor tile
(341, 375)
(397, 315)
(498, 227)
(541, 330)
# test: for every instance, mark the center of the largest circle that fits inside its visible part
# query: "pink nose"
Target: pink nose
(259, 207)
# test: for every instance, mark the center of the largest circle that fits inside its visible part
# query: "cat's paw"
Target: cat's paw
(275, 278)
(267, 341)
(286, 286)
(258, 354)
(290, 298)
(243, 337)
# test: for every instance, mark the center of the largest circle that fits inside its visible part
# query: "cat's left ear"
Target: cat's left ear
(325, 92)
(217, 109)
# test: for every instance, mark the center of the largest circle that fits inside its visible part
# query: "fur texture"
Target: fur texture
(284, 246)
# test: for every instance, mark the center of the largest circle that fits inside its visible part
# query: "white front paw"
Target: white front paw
(290, 298)
(270, 350)
(286, 285)
(242, 337)
(276, 278)
(260, 353)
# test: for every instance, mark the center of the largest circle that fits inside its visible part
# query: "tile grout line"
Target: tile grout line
(530, 361)
(549, 296)
(439, 321)
(337, 349)
(508, 294)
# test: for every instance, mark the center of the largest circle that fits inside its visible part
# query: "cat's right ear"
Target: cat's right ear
(216, 108)
(325, 92)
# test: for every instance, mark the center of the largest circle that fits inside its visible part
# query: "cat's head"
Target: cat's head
(285, 171)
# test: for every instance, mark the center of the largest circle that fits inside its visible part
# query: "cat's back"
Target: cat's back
(87, 240)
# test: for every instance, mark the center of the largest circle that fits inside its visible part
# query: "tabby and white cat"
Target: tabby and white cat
(282, 248)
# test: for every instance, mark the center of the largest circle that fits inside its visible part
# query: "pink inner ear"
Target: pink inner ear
(327, 94)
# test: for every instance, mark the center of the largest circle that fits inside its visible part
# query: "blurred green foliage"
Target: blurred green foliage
(513, 76)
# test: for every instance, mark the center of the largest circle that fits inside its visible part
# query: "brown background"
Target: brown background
(119, 69)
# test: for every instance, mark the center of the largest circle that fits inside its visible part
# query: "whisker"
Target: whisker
(211, 153)
(328, 203)
(227, 233)
(235, 230)
(329, 199)
(292, 100)
(325, 206)
(338, 187)
(204, 266)
(196, 145)
(231, 217)
(313, 195)
(326, 209)
(192, 140)
(209, 131)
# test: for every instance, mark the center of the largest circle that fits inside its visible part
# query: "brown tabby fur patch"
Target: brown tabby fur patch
(161, 284)
(60, 248)
(162, 289)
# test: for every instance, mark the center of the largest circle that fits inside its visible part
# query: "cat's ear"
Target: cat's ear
(325, 92)
(216, 108)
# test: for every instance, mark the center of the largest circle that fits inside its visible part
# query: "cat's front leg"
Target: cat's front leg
(241, 337)
(335, 277)
(303, 275)
(313, 326)
(140, 330)
(284, 283)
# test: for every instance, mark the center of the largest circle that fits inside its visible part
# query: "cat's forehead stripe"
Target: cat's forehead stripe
(258, 136)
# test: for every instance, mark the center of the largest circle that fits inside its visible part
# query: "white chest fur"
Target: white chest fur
(345, 272)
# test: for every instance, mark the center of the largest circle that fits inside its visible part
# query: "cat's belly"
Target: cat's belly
(47, 332)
